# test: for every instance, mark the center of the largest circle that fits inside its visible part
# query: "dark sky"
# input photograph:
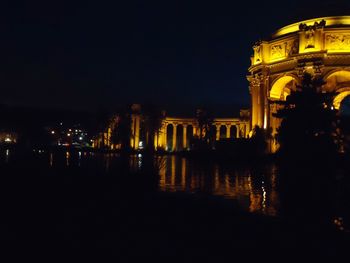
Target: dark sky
(84, 54)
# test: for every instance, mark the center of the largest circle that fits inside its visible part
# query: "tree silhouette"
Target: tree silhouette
(205, 130)
(121, 131)
(205, 121)
(308, 126)
(259, 140)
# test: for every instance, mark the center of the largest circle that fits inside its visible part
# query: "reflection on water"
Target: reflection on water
(254, 192)
(135, 162)
(7, 153)
(51, 159)
(254, 189)
(67, 158)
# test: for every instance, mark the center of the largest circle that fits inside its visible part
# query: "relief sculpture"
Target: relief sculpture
(338, 41)
(277, 51)
(257, 53)
(292, 47)
(310, 32)
(310, 38)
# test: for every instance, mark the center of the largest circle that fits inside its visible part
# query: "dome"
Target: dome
(330, 21)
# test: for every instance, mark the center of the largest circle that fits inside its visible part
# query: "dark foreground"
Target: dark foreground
(82, 213)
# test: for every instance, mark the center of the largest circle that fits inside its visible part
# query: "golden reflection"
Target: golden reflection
(173, 170)
(251, 193)
(162, 173)
(183, 173)
(67, 158)
(7, 154)
(216, 178)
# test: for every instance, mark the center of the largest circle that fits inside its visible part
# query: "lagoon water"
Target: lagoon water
(86, 199)
(254, 188)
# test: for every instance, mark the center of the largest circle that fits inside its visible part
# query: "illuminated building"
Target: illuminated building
(8, 137)
(172, 133)
(319, 46)
(104, 138)
(183, 129)
(72, 135)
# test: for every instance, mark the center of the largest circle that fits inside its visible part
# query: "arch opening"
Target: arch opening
(282, 88)
(340, 97)
(223, 132)
(337, 80)
(233, 131)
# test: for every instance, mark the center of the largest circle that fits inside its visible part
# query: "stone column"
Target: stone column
(156, 140)
(228, 131)
(132, 132)
(217, 132)
(174, 136)
(258, 101)
(194, 130)
(165, 139)
(184, 137)
(238, 131)
(137, 132)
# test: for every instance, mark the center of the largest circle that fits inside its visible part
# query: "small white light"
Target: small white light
(7, 139)
(80, 138)
(52, 132)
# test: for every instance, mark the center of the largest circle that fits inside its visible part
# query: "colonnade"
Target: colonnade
(175, 133)
(191, 129)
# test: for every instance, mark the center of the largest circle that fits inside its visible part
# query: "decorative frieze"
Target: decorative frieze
(277, 51)
(337, 42)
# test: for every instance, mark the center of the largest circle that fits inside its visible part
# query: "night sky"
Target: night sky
(88, 54)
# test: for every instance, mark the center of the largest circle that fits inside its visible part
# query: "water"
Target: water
(82, 200)
(254, 189)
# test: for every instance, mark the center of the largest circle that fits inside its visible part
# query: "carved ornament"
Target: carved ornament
(338, 41)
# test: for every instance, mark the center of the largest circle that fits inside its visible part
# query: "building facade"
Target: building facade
(166, 133)
(175, 133)
(318, 46)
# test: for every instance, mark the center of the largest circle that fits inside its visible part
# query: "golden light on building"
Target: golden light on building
(319, 46)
